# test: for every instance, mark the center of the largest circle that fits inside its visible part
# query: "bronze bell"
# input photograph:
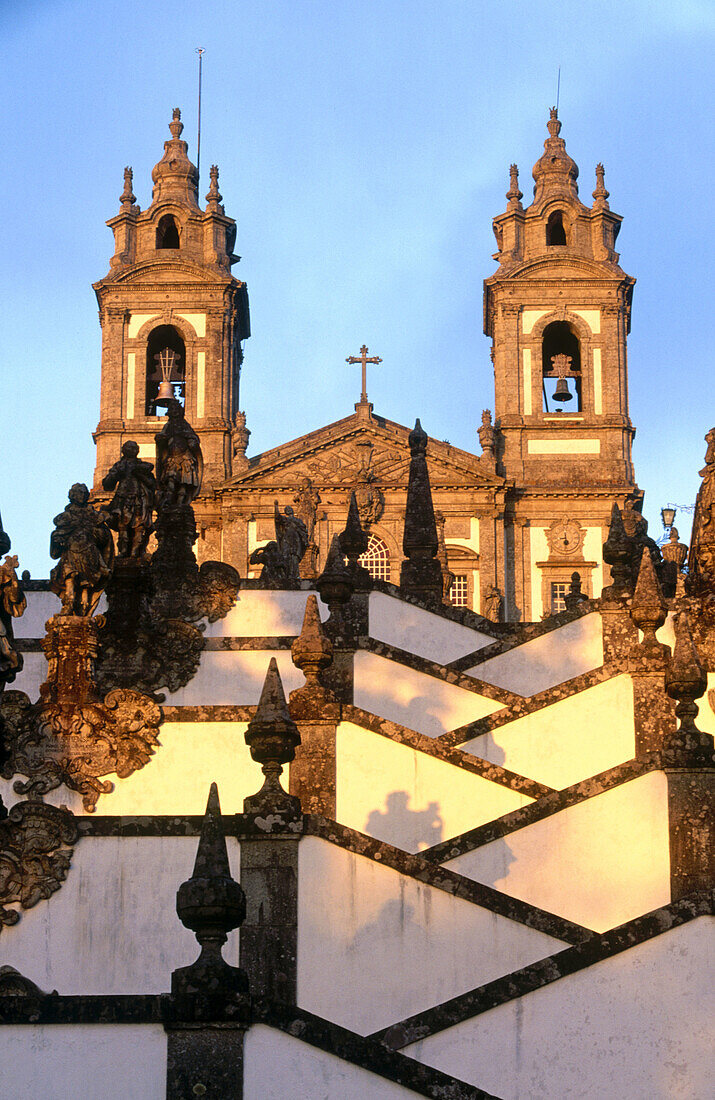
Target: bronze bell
(165, 394)
(561, 393)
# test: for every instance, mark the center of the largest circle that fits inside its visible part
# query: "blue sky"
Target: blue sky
(364, 148)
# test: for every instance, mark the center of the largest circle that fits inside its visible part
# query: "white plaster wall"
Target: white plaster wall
(265, 614)
(599, 863)
(414, 699)
(33, 675)
(539, 552)
(409, 799)
(40, 607)
(277, 1066)
(234, 676)
(638, 1026)
(548, 660)
(112, 926)
(59, 1061)
(577, 737)
(421, 632)
(375, 946)
(706, 717)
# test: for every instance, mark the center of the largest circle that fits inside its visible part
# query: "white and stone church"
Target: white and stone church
(365, 767)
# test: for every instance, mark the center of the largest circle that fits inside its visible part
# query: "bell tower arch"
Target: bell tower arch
(170, 286)
(558, 312)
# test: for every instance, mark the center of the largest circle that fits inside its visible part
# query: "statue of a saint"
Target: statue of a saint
(492, 604)
(307, 498)
(131, 506)
(292, 539)
(83, 543)
(179, 462)
(12, 605)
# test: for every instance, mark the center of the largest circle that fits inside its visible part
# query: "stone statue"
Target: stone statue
(292, 539)
(702, 540)
(486, 434)
(492, 604)
(179, 462)
(12, 605)
(131, 507)
(83, 543)
(307, 498)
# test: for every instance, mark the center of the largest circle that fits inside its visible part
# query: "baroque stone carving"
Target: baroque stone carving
(272, 736)
(492, 604)
(420, 574)
(281, 557)
(34, 857)
(702, 542)
(312, 653)
(71, 736)
(368, 495)
(83, 543)
(131, 507)
(685, 681)
(179, 462)
(12, 606)
(487, 436)
(648, 608)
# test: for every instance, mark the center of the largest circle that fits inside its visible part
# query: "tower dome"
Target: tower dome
(175, 177)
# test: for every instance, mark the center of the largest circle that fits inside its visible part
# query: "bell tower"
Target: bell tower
(170, 287)
(558, 312)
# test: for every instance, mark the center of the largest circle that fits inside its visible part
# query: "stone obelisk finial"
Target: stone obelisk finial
(421, 573)
(272, 737)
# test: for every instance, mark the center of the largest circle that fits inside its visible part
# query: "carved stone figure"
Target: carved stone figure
(83, 543)
(131, 507)
(491, 603)
(12, 605)
(702, 542)
(179, 462)
(674, 554)
(292, 540)
(307, 499)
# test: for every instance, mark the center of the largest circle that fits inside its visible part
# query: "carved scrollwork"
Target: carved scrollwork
(34, 855)
(77, 745)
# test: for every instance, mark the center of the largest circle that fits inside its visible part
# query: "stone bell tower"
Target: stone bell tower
(170, 286)
(558, 312)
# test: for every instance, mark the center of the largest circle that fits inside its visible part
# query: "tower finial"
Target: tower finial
(514, 195)
(421, 573)
(127, 197)
(600, 195)
(176, 125)
(554, 125)
(213, 196)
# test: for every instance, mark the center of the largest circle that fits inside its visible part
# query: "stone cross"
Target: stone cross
(364, 360)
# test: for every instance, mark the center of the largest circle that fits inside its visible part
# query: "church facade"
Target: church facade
(514, 521)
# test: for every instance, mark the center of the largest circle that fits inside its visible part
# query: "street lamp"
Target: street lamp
(668, 516)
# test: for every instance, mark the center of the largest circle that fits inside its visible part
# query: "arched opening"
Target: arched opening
(167, 232)
(376, 559)
(164, 336)
(555, 232)
(561, 368)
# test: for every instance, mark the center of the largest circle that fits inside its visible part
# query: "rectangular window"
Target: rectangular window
(558, 596)
(458, 592)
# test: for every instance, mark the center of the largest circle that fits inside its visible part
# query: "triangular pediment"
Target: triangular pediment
(335, 455)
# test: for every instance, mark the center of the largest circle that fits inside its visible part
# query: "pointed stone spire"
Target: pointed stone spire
(127, 197)
(272, 737)
(421, 574)
(648, 608)
(353, 542)
(555, 172)
(175, 177)
(312, 653)
(617, 554)
(600, 195)
(575, 597)
(514, 195)
(686, 681)
(211, 903)
(335, 585)
(214, 196)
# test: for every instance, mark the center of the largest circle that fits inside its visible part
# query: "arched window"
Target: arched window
(376, 559)
(561, 368)
(164, 336)
(555, 232)
(167, 232)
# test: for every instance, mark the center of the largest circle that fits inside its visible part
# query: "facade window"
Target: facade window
(167, 232)
(376, 559)
(558, 596)
(164, 336)
(459, 592)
